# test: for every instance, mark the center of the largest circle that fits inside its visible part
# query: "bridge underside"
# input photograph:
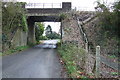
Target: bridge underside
(44, 11)
(44, 15)
(31, 21)
(45, 18)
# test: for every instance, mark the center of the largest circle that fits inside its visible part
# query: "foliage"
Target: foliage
(71, 55)
(13, 16)
(56, 35)
(59, 43)
(109, 27)
(31, 44)
(43, 38)
(53, 35)
(14, 50)
(109, 20)
(63, 16)
(48, 30)
(24, 23)
(39, 29)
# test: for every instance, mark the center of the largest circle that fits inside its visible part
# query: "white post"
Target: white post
(86, 58)
(86, 47)
(97, 61)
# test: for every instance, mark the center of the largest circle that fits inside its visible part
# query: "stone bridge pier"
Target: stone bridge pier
(31, 31)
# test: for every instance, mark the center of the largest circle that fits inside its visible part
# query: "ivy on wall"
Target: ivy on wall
(24, 23)
(13, 16)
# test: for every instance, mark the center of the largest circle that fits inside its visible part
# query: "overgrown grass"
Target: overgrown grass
(71, 55)
(15, 50)
(63, 16)
(0, 53)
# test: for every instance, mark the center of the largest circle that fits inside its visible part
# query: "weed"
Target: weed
(68, 53)
(14, 50)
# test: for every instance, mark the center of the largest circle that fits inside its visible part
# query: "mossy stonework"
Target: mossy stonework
(20, 38)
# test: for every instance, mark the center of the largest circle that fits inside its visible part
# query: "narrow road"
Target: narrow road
(32, 63)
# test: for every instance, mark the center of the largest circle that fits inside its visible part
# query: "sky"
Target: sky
(79, 4)
(54, 25)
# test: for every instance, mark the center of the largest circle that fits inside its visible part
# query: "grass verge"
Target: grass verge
(15, 50)
(71, 56)
(0, 53)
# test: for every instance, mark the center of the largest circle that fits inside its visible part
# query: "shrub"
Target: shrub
(71, 55)
(63, 16)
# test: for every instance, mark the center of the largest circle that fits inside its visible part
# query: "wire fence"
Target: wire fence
(104, 67)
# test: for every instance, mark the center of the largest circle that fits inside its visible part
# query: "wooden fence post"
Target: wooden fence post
(97, 61)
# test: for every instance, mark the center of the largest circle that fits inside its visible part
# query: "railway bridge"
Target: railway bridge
(42, 12)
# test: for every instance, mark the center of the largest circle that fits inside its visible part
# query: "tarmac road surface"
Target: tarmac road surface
(32, 63)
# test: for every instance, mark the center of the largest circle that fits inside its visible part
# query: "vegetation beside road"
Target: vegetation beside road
(39, 29)
(71, 55)
(15, 50)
